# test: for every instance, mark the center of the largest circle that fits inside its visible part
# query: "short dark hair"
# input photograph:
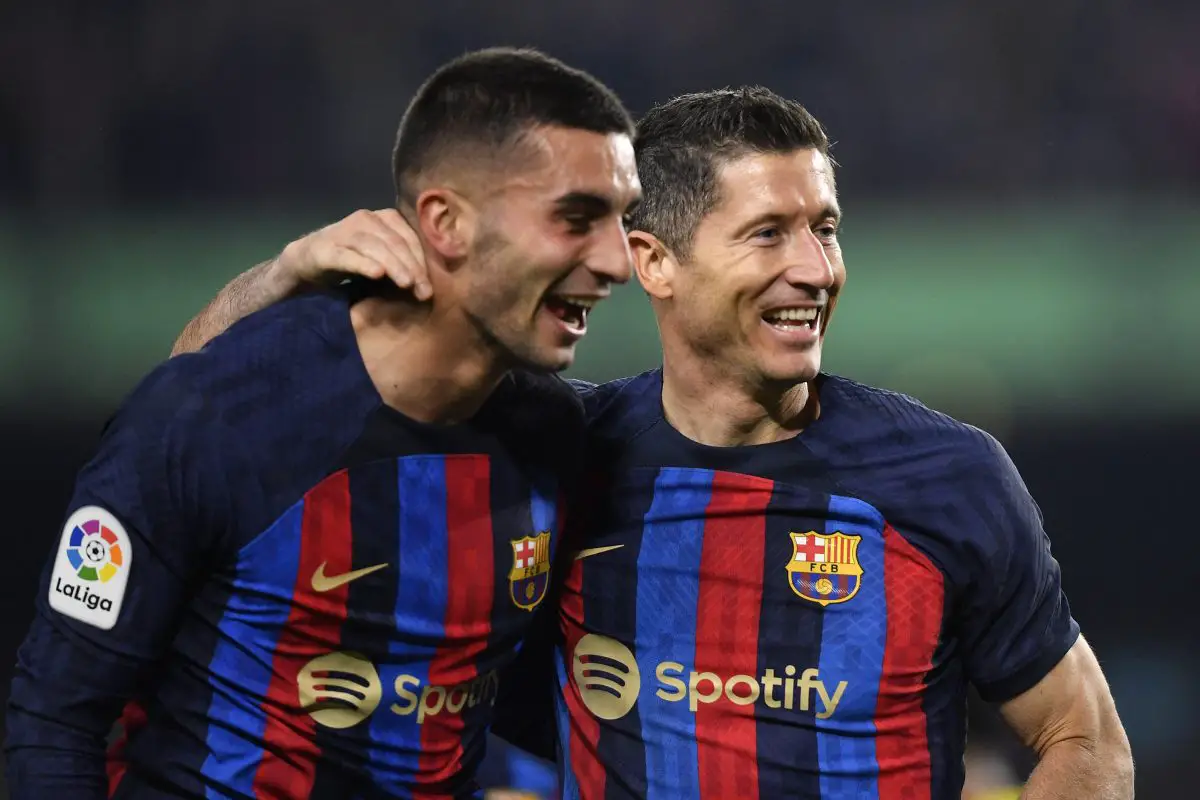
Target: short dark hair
(681, 145)
(485, 100)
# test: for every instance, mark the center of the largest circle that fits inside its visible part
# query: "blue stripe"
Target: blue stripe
(672, 537)
(241, 666)
(543, 509)
(852, 642)
(543, 506)
(566, 775)
(422, 542)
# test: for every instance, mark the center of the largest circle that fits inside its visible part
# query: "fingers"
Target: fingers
(323, 258)
(410, 268)
(373, 244)
(392, 259)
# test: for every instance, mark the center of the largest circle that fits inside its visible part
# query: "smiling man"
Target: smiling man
(785, 581)
(301, 557)
(789, 579)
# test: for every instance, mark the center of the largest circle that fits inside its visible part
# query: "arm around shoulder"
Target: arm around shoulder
(371, 244)
(255, 289)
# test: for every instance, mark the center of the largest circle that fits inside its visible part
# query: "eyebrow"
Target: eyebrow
(594, 205)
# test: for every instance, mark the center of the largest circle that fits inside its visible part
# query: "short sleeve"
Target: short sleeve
(1015, 621)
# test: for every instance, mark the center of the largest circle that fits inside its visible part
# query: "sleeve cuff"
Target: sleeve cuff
(1031, 674)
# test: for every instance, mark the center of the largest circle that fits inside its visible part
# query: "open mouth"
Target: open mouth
(571, 309)
(793, 319)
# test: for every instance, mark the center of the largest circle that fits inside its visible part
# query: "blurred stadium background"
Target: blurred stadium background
(1021, 183)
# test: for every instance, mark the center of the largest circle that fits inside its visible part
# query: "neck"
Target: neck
(716, 408)
(430, 364)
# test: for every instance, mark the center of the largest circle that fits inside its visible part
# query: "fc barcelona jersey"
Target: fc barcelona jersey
(798, 619)
(290, 589)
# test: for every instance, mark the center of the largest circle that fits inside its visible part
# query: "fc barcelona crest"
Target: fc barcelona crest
(530, 574)
(824, 568)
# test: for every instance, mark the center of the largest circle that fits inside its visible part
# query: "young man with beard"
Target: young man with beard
(302, 556)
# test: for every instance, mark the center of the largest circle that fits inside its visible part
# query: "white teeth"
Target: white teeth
(792, 315)
(582, 302)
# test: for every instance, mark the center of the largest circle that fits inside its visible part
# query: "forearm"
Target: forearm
(1074, 769)
(254, 289)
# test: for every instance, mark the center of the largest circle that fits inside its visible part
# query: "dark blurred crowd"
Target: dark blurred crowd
(132, 102)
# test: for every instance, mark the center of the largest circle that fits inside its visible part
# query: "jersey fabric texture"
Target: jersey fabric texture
(798, 619)
(321, 592)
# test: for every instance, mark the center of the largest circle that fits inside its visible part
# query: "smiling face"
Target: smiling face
(549, 244)
(753, 296)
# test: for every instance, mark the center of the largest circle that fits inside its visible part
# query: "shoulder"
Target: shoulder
(624, 407)
(883, 425)
(253, 420)
(166, 400)
(940, 481)
(285, 370)
(302, 333)
(541, 400)
(277, 398)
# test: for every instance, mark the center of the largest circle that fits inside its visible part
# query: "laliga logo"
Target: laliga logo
(92, 568)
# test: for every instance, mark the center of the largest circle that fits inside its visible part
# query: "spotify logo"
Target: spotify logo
(339, 690)
(609, 682)
(607, 676)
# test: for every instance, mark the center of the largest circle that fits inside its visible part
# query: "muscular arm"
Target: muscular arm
(373, 244)
(1070, 721)
(1022, 646)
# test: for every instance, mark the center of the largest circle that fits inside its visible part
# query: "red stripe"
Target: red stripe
(133, 717)
(313, 628)
(727, 617)
(470, 582)
(584, 743)
(914, 590)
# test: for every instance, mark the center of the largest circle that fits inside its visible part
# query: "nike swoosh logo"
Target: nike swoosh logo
(595, 551)
(324, 583)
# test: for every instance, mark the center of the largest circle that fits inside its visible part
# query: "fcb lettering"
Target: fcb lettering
(530, 574)
(825, 568)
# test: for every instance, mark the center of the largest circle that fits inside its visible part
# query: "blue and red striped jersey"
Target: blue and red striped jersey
(293, 590)
(798, 619)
